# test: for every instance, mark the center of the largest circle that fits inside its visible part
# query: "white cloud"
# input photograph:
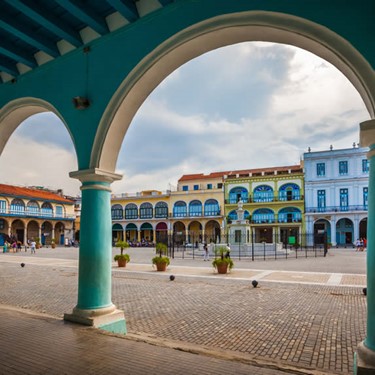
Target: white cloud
(27, 162)
(244, 106)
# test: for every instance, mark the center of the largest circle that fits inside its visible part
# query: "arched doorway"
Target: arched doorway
(131, 231)
(18, 231)
(212, 232)
(60, 233)
(179, 233)
(195, 233)
(363, 228)
(46, 232)
(147, 233)
(344, 232)
(117, 233)
(322, 231)
(162, 232)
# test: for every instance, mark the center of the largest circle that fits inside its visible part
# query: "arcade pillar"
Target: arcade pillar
(94, 306)
(365, 356)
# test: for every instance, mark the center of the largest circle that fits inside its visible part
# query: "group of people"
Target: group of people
(16, 246)
(361, 244)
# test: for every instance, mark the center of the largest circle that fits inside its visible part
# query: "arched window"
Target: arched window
(195, 208)
(47, 209)
(146, 210)
(289, 192)
(263, 215)
(263, 193)
(117, 212)
(211, 207)
(161, 210)
(17, 206)
(233, 215)
(131, 211)
(238, 192)
(180, 209)
(290, 215)
(32, 208)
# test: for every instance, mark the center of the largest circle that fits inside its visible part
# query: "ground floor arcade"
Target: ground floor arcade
(340, 230)
(43, 231)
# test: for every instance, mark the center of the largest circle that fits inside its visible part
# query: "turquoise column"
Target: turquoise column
(94, 306)
(365, 356)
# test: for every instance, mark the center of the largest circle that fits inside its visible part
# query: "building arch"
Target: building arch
(146, 210)
(363, 228)
(117, 233)
(290, 215)
(212, 232)
(345, 232)
(161, 210)
(131, 231)
(32, 208)
(131, 211)
(180, 209)
(238, 192)
(17, 206)
(117, 212)
(263, 193)
(263, 215)
(195, 208)
(211, 207)
(46, 209)
(60, 233)
(161, 232)
(289, 192)
(202, 37)
(18, 110)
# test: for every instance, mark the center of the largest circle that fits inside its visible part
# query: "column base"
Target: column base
(108, 319)
(364, 360)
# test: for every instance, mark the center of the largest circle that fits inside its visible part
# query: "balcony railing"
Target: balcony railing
(266, 199)
(37, 215)
(336, 208)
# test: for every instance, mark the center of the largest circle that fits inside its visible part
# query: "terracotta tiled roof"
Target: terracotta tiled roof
(201, 176)
(21, 192)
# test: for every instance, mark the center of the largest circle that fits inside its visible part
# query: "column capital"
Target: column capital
(95, 174)
(367, 133)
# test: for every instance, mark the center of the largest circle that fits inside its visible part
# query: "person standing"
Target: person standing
(32, 247)
(206, 253)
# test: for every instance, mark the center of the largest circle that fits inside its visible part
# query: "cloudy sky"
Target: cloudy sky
(249, 105)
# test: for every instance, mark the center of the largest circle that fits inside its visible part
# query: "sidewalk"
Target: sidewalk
(306, 321)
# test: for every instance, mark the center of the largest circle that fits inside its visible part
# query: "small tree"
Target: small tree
(122, 245)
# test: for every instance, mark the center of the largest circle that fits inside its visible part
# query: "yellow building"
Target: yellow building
(141, 218)
(273, 200)
(31, 213)
(197, 208)
(192, 213)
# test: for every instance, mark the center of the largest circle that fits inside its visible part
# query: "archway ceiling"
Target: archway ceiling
(34, 31)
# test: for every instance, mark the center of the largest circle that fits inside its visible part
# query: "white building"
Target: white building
(336, 191)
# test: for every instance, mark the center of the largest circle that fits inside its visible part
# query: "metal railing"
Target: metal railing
(270, 199)
(253, 248)
(38, 215)
(337, 208)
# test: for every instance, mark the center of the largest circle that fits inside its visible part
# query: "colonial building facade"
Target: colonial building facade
(336, 186)
(273, 200)
(31, 213)
(189, 213)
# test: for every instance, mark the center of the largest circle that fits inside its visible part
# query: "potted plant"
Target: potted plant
(122, 258)
(38, 245)
(223, 263)
(161, 261)
(53, 243)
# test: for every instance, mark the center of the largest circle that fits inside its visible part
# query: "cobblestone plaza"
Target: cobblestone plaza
(297, 318)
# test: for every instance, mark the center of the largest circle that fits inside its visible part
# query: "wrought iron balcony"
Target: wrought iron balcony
(336, 209)
(270, 199)
(37, 215)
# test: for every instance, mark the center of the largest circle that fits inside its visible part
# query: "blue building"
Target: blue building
(336, 194)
